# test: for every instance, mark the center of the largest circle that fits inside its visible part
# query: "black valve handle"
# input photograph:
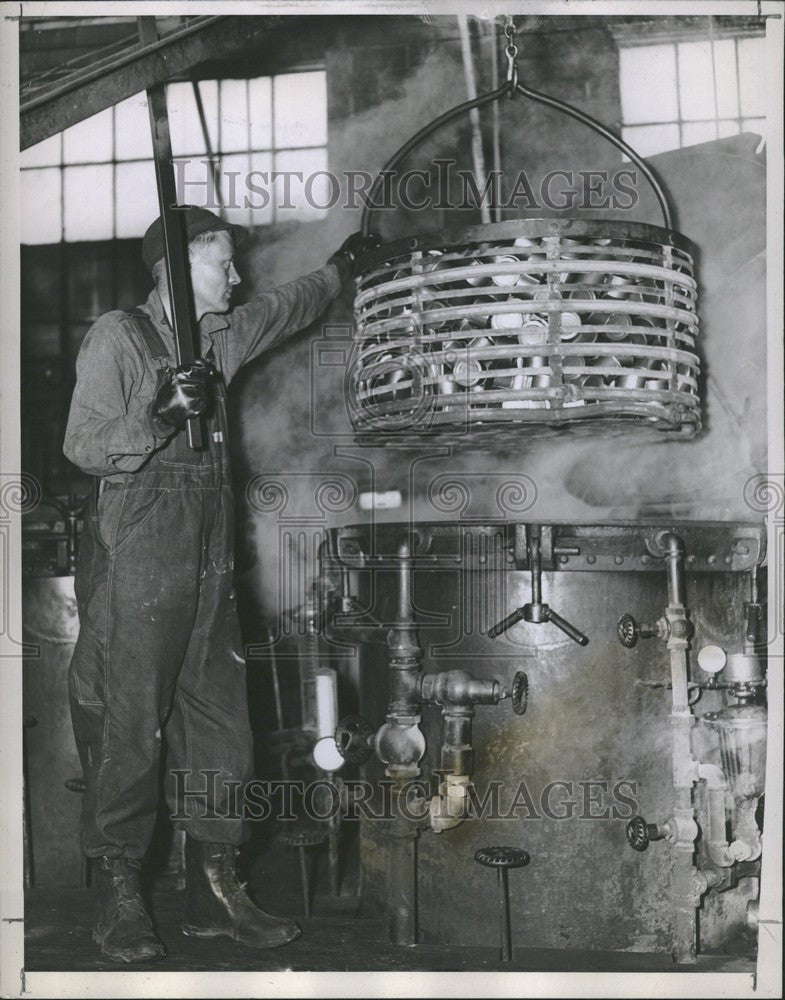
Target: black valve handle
(520, 692)
(544, 614)
(640, 833)
(512, 619)
(566, 627)
(627, 632)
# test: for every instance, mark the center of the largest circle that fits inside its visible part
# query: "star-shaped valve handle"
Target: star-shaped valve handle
(536, 611)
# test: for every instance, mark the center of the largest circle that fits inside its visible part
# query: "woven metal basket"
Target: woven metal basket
(544, 321)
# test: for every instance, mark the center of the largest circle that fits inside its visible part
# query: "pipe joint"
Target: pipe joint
(400, 746)
(687, 893)
(455, 690)
(447, 809)
(683, 828)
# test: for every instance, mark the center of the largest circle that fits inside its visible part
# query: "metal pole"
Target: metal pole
(175, 243)
(504, 903)
(306, 885)
(207, 144)
(474, 114)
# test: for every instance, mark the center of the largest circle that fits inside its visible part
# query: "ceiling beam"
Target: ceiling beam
(98, 86)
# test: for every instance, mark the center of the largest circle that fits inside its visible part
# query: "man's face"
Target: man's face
(213, 275)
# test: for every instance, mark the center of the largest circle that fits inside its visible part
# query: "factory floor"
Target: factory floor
(337, 937)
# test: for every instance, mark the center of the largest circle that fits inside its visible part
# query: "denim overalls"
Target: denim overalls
(159, 655)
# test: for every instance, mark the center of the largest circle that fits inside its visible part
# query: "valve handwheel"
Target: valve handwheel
(520, 694)
(639, 833)
(627, 631)
(502, 859)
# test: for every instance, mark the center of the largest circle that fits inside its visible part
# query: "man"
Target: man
(159, 653)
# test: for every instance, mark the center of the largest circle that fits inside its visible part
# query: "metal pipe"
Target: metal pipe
(402, 875)
(207, 144)
(506, 925)
(687, 883)
(535, 566)
(720, 851)
(675, 562)
(474, 114)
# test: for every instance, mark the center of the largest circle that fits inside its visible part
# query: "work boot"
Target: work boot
(123, 929)
(217, 905)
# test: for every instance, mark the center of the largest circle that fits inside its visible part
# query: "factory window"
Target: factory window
(268, 136)
(681, 93)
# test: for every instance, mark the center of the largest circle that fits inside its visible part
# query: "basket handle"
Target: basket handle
(539, 98)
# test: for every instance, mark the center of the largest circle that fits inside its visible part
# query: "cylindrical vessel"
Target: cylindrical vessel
(742, 733)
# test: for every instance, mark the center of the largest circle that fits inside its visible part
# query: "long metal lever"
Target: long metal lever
(175, 243)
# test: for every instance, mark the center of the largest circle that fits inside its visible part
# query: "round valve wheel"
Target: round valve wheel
(627, 631)
(520, 692)
(638, 833)
(351, 738)
(501, 857)
(303, 838)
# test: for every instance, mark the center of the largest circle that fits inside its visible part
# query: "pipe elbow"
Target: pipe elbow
(448, 809)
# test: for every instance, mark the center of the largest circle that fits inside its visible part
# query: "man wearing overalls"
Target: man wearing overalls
(159, 648)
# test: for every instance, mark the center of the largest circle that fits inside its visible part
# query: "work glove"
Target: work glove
(185, 392)
(345, 257)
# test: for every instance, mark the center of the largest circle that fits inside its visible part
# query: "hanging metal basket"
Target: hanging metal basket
(537, 321)
(547, 322)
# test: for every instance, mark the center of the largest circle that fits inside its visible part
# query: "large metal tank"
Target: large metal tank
(594, 746)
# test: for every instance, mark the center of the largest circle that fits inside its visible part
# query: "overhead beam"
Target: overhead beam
(100, 86)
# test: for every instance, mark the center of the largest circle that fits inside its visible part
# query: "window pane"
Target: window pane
(261, 200)
(132, 129)
(234, 180)
(310, 195)
(751, 76)
(40, 217)
(184, 125)
(648, 84)
(89, 141)
(726, 79)
(234, 116)
(43, 154)
(136, 198)
(194, 178)
(696, 80)
(728, 128)
(650, 139)
(260, 94)
(694, 132)
(88, 203)
(300, 101)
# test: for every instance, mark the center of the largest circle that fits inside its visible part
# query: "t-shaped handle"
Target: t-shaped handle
(536, 611)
